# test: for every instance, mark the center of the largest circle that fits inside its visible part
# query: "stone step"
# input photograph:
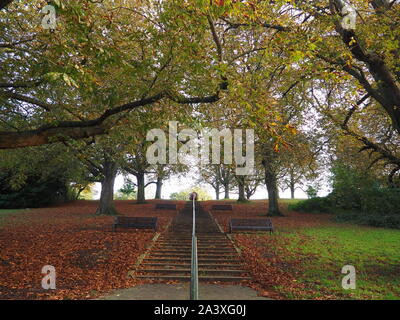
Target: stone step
(200, 260)
(201, 278)
(224, 239)
(199, 246)
(170, 258)
(188, 251)
(188, 235)
(201, 272)
(187, 265)
(226, 250)
(208, 242)
(188, 255)
(198, 235)
(186, 246)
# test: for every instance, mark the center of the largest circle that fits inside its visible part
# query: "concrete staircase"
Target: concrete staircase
(170, 257)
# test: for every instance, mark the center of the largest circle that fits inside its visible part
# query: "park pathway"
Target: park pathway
(170, 257)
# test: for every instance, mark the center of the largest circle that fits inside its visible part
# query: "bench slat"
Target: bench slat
(166, 206)
(222, 207)
(135, 223)
(251, 225)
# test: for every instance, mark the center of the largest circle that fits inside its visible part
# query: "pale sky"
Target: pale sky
(176, 184)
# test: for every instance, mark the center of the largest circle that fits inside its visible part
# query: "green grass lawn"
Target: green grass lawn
(290, 201)
(374, 252)
(8, 211)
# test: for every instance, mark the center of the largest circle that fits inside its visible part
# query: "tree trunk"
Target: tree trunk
(248, 194)
(241, 187)
(226, 188)
(292, 184)
(158, 188)
(106, 206)
(79, 193)
(217, 191)
(141, 186)
(272, 188)
(242, 197)
(292, 191)
(385, 87)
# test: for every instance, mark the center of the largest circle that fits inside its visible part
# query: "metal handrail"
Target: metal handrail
(194, 271)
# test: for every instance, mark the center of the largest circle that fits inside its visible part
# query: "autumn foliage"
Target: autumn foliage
(89, 258)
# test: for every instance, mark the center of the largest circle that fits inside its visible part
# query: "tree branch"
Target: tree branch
(30, 100)
(87, 128)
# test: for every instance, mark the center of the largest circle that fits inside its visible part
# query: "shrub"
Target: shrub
(357, 197)
(374, 220)
(315, 205)
(311, 192)
(34, 194)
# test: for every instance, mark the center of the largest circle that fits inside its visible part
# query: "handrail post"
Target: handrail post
(194, 219)
(194, 272)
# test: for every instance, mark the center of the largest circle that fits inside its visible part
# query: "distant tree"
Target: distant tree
(128, 191)
(203, 194)
(311, 192)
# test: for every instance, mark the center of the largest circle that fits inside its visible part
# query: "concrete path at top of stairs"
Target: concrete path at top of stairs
(180, 291)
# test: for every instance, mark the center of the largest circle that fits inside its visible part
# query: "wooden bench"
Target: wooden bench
(250, 225)
(167, 206)
(222, 207)
(135, 223)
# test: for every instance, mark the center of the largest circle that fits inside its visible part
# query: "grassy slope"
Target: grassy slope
(313, 248)
(375, 253)
(290, 201)
(7, 211)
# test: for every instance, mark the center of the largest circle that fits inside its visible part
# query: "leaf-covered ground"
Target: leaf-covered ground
(304, 257)
(301, 260)
(89, 258)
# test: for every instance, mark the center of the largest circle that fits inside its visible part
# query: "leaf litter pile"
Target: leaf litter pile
(89, 258)
(275, 269)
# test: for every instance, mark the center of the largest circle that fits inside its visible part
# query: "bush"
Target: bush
(374, 220)
(359, 198)
(311, 192)
(34, 194)
(315, 205)
(357, 191)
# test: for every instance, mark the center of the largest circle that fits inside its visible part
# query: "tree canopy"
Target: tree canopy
(318, 81)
